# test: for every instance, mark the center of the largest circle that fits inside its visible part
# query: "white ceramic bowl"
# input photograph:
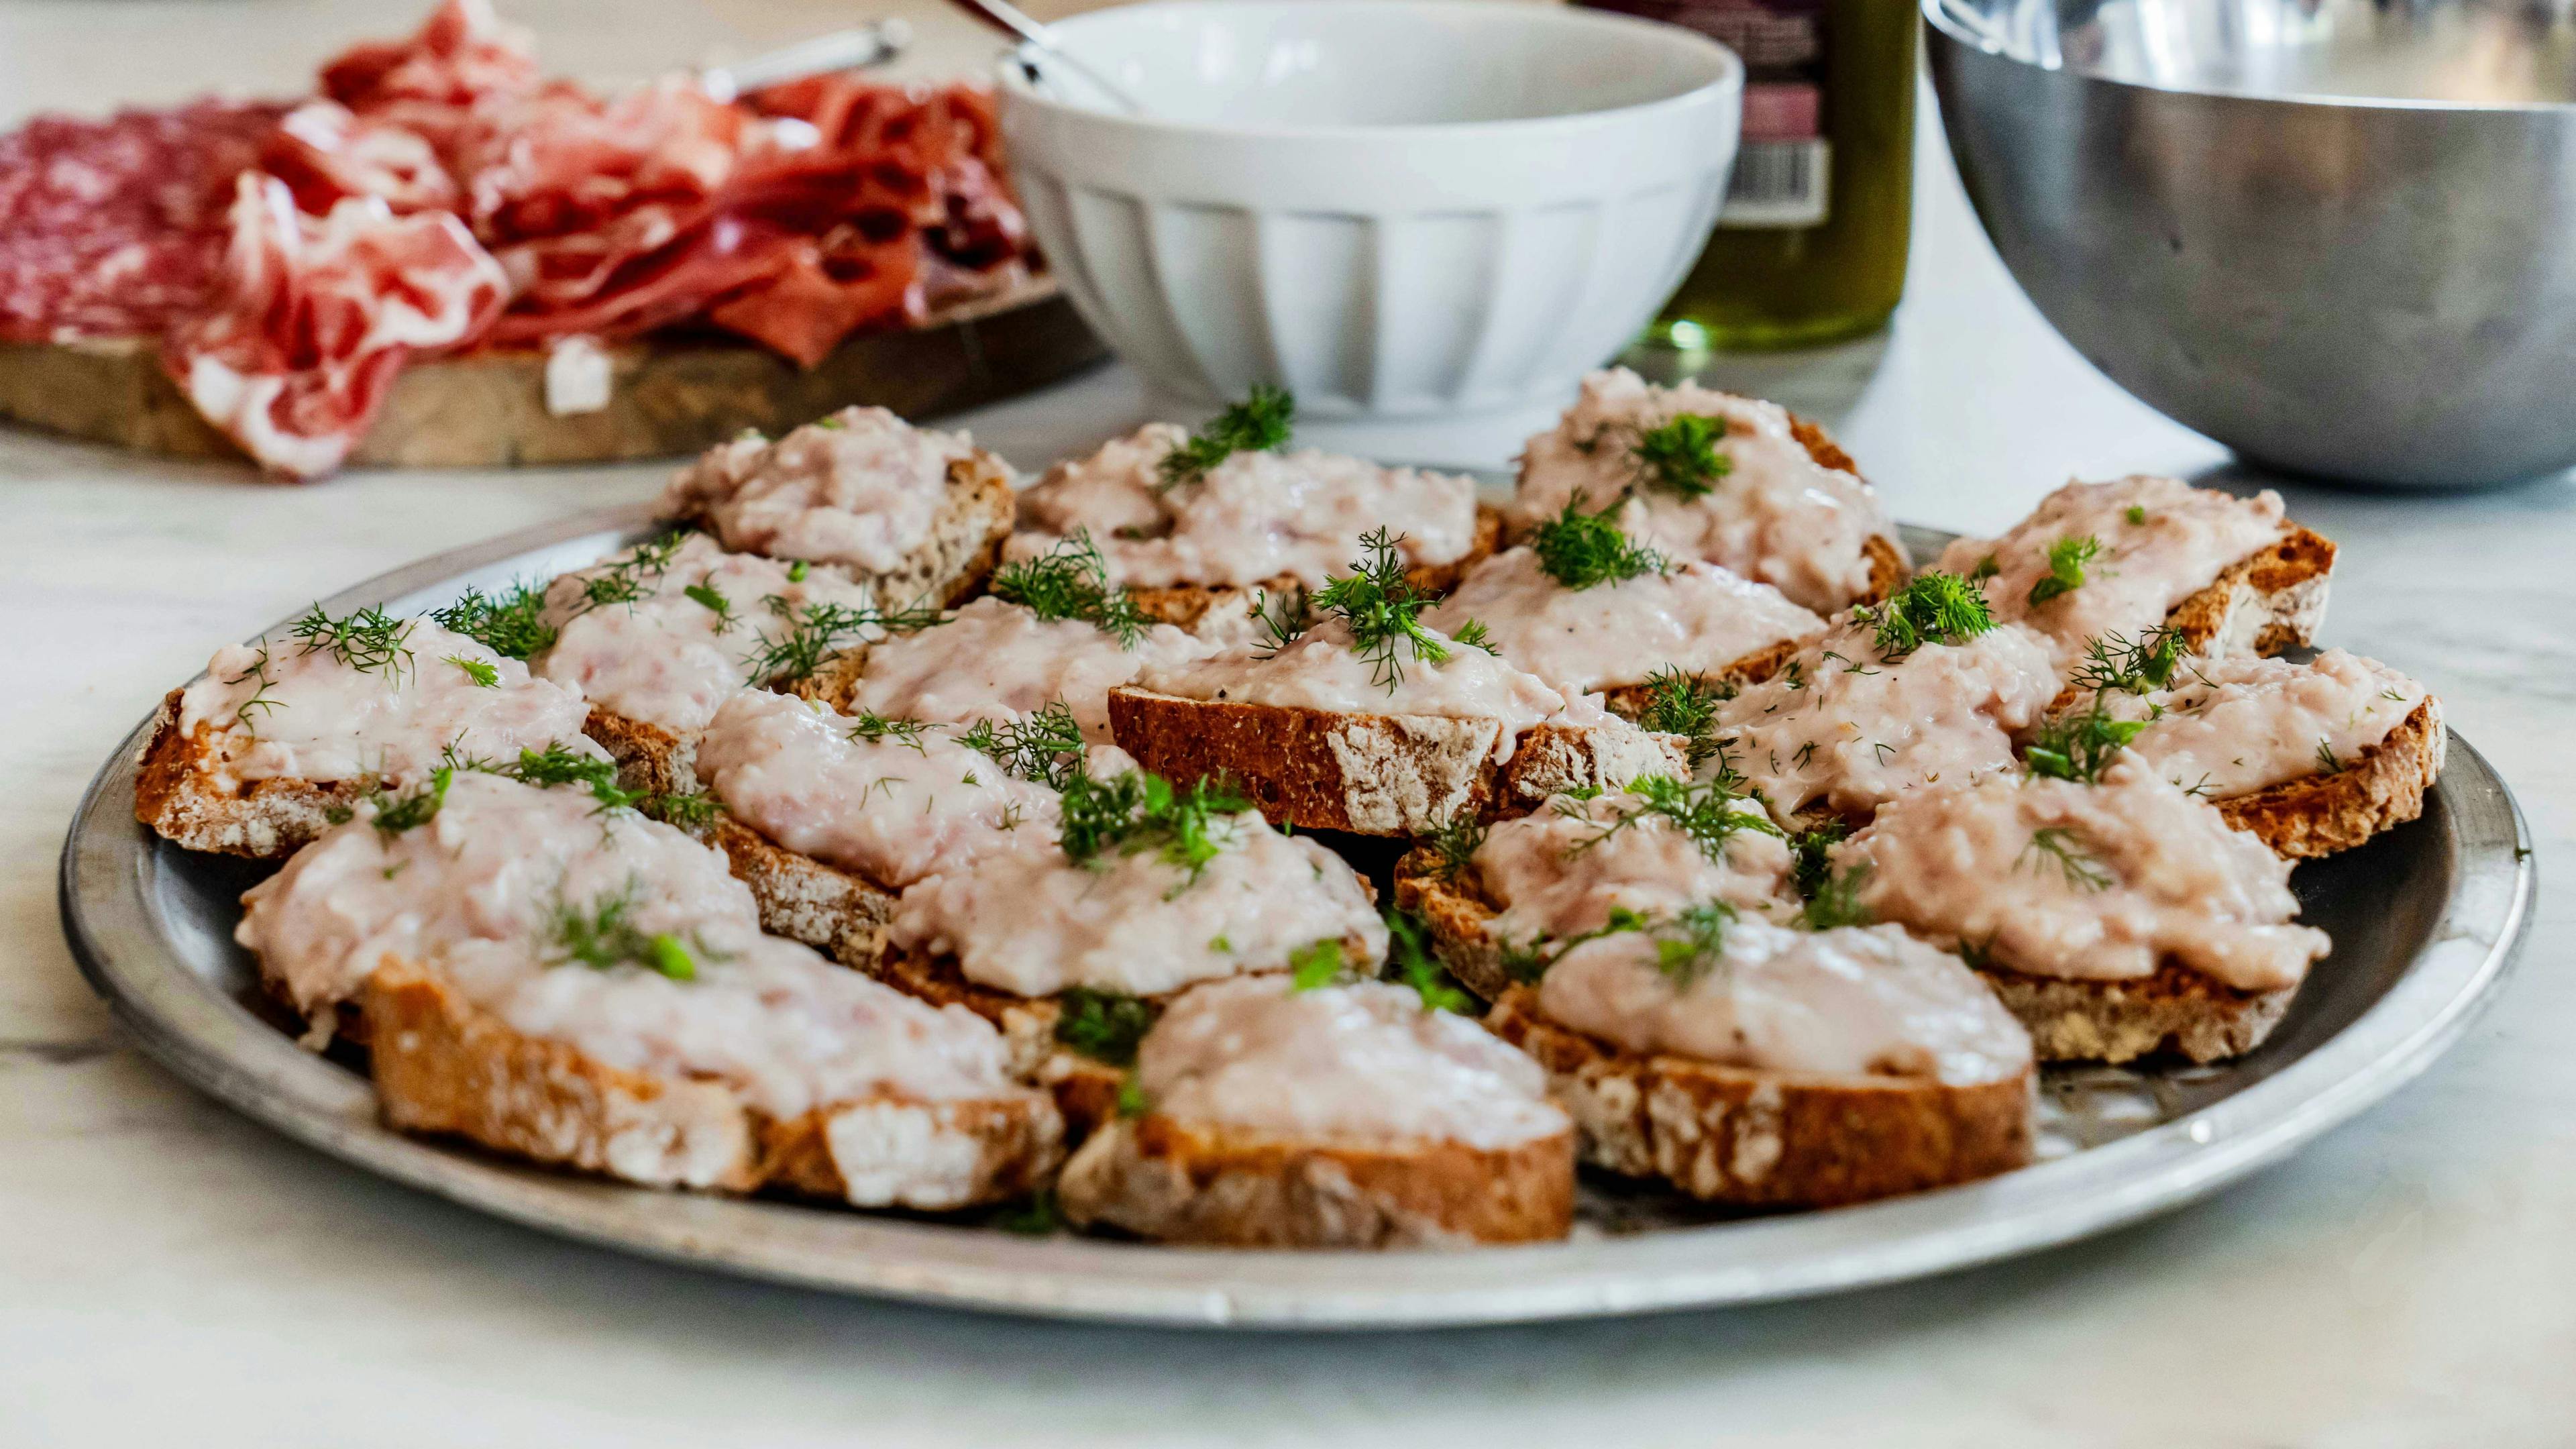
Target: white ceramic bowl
(1396, 208)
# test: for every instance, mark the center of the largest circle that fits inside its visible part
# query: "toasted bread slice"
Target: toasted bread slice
(1182, 1182)
(1888, 569)
(2267, 602)
(1460, 918)
(1225, 609)
(1628, 701)
(443, 1065)
(180, 795)
(2177, 1009)
(966, 535)
(2383, 787)
(1770, 1139)
(1376, 774)
(1086, 1088)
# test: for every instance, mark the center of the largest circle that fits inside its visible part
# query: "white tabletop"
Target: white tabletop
(171, 1273)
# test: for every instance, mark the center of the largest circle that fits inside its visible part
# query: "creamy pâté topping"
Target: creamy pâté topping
(861, 487)
(1698, 617)
(1001, 662)
(2226, 727)
(1565, 870)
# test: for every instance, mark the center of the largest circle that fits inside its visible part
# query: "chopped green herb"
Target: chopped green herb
(1046, 746)
(1679, 702)
(705, 592)
(1383, 611)
(2113, 662)
(630, 578)
(1932, 608)
(1836, 901)
(874, 728)
(1474, 635)
(1036, 1218)
(1261, 422)
(1102, 1025)
(259, 699)
(1704, 811)
(483, 675)
(1687, 947)
(1681, 456)
(812, 633)
(2078, 746)
(2137, 513)
(2326, 761)
(687, 809)
(831, 422)
(1987, 567)
(1811, 853)
(2075, 861)
(511, 623)
(1131, 1098)
(1281, 620)
(367, 641)
(1311, 966)
(2066, 560)
(1409, 960)
(604, 935)
(1071, 581)
(1138, 811)
(796, 572)
(1456, 843)
(556, 765)
(1581, 550)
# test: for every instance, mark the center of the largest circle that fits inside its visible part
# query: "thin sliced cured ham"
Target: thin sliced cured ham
(317, 316)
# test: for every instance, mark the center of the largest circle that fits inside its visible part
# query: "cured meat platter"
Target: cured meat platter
(2425, 919)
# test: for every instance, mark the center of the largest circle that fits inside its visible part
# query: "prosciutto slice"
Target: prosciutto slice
(317, 315)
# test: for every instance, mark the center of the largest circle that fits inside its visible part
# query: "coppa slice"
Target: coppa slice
(1918, 691)
(1335, 1117)
(826, 817)
(2114, 918)
(255, 757)
(2313, 758)
(2096, 559)
(1615, 634)
(1501, 902)
(1708, 475)
(919, 515)
(1143, 890)
(1747, 1063)
(1197, 528)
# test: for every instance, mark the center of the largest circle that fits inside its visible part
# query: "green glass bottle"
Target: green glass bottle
(1810, 247)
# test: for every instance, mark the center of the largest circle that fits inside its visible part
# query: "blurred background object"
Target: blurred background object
(2338, 236)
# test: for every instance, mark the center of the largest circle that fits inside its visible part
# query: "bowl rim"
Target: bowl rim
(1937, 18)
(1013, 81)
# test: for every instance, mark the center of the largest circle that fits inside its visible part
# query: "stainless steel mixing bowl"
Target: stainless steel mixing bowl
(2338, 236)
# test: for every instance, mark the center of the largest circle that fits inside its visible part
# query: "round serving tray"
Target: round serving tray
(2425, 919)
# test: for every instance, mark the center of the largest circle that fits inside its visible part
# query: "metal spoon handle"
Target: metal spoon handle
(874, 43)
(1012, 20)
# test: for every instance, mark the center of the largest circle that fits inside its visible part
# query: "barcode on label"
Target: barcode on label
(1778, 183)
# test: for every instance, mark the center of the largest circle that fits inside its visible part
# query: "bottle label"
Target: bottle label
(1784, 166)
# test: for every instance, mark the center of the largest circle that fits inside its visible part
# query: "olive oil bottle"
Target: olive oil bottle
(1810, 246)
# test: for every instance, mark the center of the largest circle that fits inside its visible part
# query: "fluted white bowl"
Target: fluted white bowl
(1396, 208)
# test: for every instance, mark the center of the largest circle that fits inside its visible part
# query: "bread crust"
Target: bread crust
(966, 535)
(1220, 607)
(1375, 774)
(1460, 917)
(2269, 601)
(183, 798)
(2383, 787)
(1181, 1182)
(445, 1066)
(1754, 1138)
(2176, 1009)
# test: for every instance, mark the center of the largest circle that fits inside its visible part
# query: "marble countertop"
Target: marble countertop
(173, 1273)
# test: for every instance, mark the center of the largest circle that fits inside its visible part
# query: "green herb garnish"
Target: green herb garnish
(2113, 662)
(1259, 423)
(1581, 550)
(1071, 581)
(631, 578)
(395, 814)
(813, 632)
(1383, 611)
(1281, 619)
(511, 623)
(687, 809)
(1836, 901)
(483, 675)
(1409, 961)
(367, 641)
(1704, 811)
(1138, 811)
(555, 765)
(2066, 560)
(1046, 746)
(605, 935)
(2137, 513)
(705, 592)
(2076, 862)
(1131, 1098)
(1932, 608)
(1102, 1025)
(1456, 843)
(259, 699)
(1681, 456)
(1037, 1218)
(874, 728)
(1679, 702)
(2326, 761)
(2078, 746)
(1317, 964)
(1811, 855)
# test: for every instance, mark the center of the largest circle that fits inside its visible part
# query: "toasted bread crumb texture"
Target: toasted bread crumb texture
(2177, 1009)
(2317, 815)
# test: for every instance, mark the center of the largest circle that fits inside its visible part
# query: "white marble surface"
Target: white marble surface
(170, 1273)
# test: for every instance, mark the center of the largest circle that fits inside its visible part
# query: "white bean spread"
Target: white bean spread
(2088, 882)
(1750, 497)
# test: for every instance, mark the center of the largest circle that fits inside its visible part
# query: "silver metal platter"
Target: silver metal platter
(2425, 921)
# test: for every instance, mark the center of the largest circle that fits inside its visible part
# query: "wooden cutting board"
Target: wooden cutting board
(488, 409)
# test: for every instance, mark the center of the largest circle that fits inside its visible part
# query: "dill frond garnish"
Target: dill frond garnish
(2114, 662)
(1456, 843)
(706, 593)
(1045, 746)
(1987, 567)
(1383, 611)
(1692, 943)
(812, 633)
(1132, 1101)
(1811, 857)
(1704, 811)
(483, 675)
(1137, 811)
(1679, 702)
(873, 728)
(555, 765)
(259, 699)
(604, 934)
(1071, 581)
(2066, 560)
(367, 641)
(510, 623)
(2327, 763)
(1316, 964)
(1932, 608)
(1836, 901)
(2078, 746)
(1474, 635)
(1681, 456)
(1581, 550)
(1039, 1217)
(2137, 513)
(1410, 962)
(1260, 423)
(687, 809)
(2075, 861)
(1102, 1025)
(1281, 620)
(632, 577)
(398, 813)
